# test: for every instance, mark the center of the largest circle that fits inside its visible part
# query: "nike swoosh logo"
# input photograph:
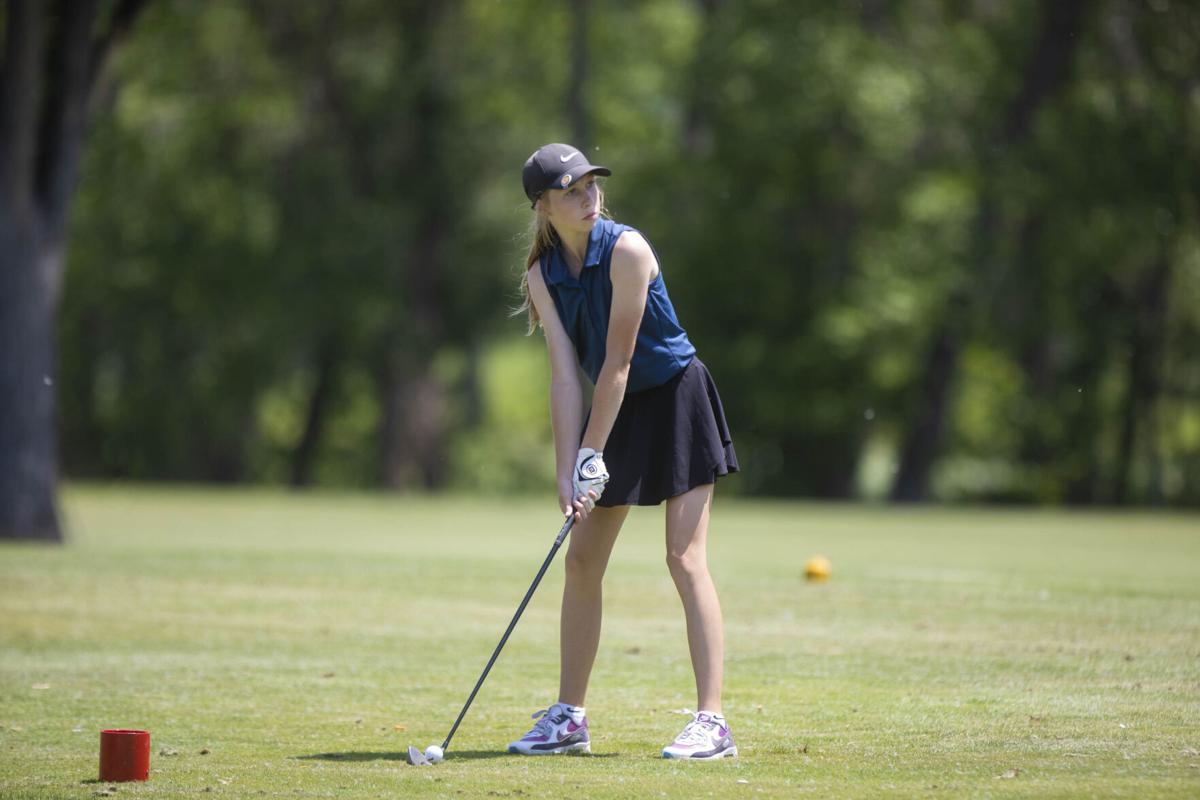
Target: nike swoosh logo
(565, 159)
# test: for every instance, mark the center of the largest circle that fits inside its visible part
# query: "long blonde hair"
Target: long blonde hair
(543, 239)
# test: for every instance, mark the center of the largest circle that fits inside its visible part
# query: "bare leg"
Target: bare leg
(687, 559)
(591, 544)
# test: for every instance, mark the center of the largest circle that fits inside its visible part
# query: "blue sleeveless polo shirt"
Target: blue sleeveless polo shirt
(662, 350)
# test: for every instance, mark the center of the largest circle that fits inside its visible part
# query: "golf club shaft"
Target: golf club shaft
(562, 534)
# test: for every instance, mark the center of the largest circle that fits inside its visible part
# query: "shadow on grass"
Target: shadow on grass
(473, 755)
(354, 756)
(479, 754)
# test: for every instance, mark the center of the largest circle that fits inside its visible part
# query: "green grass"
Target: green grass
(288, 636)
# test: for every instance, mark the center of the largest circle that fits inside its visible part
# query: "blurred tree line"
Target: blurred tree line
(936, 249)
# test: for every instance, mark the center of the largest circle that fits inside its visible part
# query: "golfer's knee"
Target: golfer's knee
(584, 566)
(686, 565)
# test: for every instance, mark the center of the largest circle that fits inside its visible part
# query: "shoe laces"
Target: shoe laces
(544, 725)
(697, 731)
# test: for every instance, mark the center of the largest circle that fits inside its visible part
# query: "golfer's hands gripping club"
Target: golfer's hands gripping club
(588, 481)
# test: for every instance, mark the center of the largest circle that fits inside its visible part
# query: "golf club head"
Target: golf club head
(417, 758)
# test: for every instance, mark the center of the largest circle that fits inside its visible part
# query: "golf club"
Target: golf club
(415, 756)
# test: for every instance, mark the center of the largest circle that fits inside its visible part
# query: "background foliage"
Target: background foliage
(934, 249)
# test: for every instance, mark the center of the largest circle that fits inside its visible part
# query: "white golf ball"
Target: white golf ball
(434, 753)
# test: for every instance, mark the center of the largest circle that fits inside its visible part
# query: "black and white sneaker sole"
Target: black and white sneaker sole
(729, 753)
(581, 748)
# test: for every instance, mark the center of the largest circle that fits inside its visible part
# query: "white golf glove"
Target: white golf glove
(590, 474)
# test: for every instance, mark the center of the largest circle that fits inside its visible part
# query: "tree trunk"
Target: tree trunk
(384, 166)
(413, 432)
(319, 404)
(30, 273)
(698, 140)
(922, 443)
(413, 429)
(1144, 382)
(46, 76)
(577, 107)
(1045, 72)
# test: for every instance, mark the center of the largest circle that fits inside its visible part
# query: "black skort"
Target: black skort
(668, 440)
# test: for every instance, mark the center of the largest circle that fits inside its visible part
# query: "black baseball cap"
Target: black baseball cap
(555, 166)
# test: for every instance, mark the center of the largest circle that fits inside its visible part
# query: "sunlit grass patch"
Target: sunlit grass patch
(294, 646)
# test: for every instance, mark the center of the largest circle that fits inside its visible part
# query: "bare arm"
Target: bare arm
(633, 265)
(566, 395)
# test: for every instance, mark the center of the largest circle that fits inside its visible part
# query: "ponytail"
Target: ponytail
(544, 239)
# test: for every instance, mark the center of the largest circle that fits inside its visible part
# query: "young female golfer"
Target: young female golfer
(656, 426)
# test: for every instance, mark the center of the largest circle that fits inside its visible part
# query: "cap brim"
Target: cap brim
(578, 172)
